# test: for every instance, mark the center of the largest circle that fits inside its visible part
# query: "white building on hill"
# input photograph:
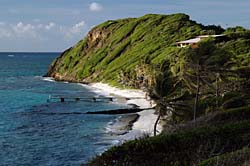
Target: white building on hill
(193, 42)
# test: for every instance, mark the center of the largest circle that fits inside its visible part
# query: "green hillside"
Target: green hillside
(116, 47)
(142, 53)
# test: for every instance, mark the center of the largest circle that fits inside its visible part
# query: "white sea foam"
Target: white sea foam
(11, 55)
(50, 79)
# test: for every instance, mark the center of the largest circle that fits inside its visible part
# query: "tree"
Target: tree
(165, 93)
(202, 69)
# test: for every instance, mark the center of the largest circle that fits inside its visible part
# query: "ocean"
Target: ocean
(34, 131)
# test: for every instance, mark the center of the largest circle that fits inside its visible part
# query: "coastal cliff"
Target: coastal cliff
(115, 48)
(205, 87)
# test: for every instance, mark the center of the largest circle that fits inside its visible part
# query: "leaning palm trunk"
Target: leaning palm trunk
(197, 93)
(156, 123)
(159, 108)
(217, 91)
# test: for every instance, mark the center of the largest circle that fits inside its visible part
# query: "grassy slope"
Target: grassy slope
(185, 147)
(238, 158)
(122, 44)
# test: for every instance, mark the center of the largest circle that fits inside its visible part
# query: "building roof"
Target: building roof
(205, 36)
(195, 40)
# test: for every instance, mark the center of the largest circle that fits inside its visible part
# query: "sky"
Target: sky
(55, 25)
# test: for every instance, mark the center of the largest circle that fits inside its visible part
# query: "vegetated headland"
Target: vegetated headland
(202, 85)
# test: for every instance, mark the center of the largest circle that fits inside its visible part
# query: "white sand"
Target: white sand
(145, 123)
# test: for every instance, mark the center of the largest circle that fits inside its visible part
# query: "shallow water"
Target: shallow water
(36, 132)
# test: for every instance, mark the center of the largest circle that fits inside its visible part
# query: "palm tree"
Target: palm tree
(202, 68)
(166, 94)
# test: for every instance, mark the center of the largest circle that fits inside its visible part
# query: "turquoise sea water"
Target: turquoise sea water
(36, 132)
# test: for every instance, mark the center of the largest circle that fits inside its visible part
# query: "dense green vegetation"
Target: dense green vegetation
(189, 145)
(221, 138)
(201, 80)
(117, 47)
(239, 157)
(205, 88)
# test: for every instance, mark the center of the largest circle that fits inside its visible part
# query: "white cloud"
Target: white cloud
(50, 26)
(23, 28)
(77, 27)
(75, 30)
(41, 31)
(31, 30)
(95, 7)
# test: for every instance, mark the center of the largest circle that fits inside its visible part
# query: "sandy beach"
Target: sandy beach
(145, 123)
